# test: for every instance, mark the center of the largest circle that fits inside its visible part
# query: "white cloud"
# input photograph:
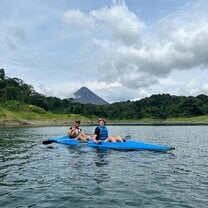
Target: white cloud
(205, 87)
(167, 81)
(63, 90)
(116, 21)
(195, 88)
(192, 84)
(79, 19)
(141, 94)
(96, 85)
(122, 23)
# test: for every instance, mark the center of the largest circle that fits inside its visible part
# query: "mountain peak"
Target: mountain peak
(84, 89)
(86, 96)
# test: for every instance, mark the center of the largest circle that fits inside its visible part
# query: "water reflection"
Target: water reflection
(101, 157)
(101, 161)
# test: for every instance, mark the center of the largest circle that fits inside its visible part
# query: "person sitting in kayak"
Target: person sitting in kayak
(75, 132)
(101, 133)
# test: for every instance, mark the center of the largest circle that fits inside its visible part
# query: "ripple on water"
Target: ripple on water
(34, 175)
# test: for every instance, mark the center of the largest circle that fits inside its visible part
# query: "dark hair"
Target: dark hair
(78, 122)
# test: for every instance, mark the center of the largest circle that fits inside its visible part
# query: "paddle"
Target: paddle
(127, 137)
(48, 142)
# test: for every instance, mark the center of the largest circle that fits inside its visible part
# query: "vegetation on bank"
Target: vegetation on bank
(176, 120)
(19, 100)
(14, 112)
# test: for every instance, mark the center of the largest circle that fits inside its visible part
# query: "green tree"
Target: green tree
(2, 74)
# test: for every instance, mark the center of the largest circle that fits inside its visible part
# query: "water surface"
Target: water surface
(36, 175)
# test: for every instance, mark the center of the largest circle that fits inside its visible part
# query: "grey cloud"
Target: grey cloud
(9, 43)
(17, 33)
(142, 65)
(12, 38)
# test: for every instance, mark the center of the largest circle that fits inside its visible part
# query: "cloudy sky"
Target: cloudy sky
(119, 49)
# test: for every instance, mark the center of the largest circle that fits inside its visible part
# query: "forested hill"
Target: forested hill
(159, 106)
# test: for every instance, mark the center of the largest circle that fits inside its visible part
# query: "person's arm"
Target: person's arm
(70, 131)
(94, 137)
(96, 134)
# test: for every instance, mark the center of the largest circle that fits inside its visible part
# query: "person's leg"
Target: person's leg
(118, 138)
(87, 137)
(110, 139)
(81, 137)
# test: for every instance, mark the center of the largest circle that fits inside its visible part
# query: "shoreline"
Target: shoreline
(39, 123)
(160, 124)
(48, 123)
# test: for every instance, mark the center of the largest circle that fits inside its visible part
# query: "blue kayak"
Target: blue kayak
(128, 145)
(64, 140)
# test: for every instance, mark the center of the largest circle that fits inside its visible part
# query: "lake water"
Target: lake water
(55, 175)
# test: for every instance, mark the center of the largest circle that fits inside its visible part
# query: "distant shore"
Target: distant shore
(159, 123)
(33, 123)
(54, 122)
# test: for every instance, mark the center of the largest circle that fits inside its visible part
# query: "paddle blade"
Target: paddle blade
(48, 142)
(127, 137)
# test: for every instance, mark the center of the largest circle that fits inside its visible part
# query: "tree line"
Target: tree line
(159, 106)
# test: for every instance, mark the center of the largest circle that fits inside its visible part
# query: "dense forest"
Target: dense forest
(159, 106)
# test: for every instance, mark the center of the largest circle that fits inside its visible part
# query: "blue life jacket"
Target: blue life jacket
(103, 133)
